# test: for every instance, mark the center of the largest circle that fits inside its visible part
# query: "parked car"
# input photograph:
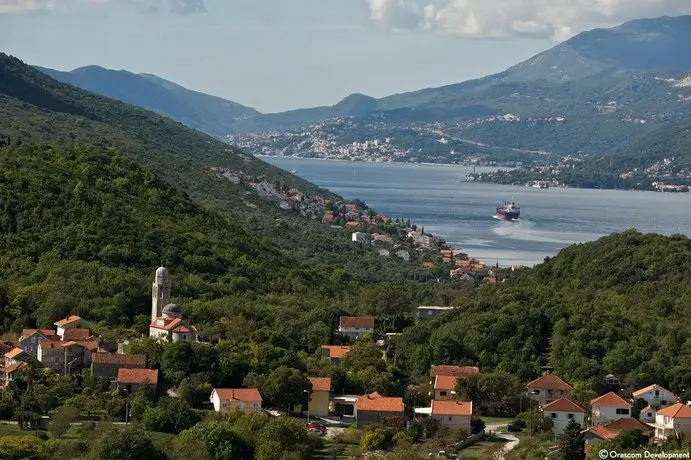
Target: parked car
(514, 428)
(316, 427)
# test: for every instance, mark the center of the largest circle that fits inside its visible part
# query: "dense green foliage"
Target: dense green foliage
(618, 305)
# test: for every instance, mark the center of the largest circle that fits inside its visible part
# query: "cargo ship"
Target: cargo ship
(508, 211)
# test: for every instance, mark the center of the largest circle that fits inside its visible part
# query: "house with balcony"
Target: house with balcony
(672, 420)
(355, 327)
(547, 389)
(608, 408)
(561, 412)
(656, 396)
(8, 372)
(65, 324)
(242, 399)
(445, 387)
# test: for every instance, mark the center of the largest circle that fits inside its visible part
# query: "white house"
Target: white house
(355, 326)
(445, 387)
(609, 407)
(673, 419)
(548, 388)
(65, 324)
(359, 237)
(454, 414)
(655, 395)
(243, 399)
(562, 412)
(648, 415)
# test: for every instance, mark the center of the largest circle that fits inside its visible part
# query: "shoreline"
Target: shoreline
(383, 162)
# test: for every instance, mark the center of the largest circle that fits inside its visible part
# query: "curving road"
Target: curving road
(511, 440)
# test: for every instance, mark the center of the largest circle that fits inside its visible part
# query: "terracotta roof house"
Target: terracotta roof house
(548, 388)
(372, 409)
(243, 399)
(76, 334)
(63, 325)
(562, 412)
(597, 433)
(673, 419)
(624, 424)
(454, 414)
(16, 355)
(655, 395)
(355, 327)
(444, 387)
(30, 339)
(132, 380)
(609, 407)
(70, 357)
(334, 352)
(318, 403)
(8, 372)
(107, 365)
(648, 414)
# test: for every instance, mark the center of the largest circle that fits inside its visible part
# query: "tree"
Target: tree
(286, 387)
(61, 420)
(280, 436)
(21, 448)
(219, 440)
(172, 415)
(571, 444)
(129, 443)
(495, 393)
(373, 439)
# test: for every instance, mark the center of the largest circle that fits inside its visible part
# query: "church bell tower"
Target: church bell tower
(160, 292)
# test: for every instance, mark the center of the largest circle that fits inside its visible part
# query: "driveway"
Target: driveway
(511, 440)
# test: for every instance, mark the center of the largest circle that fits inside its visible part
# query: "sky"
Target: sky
(277, 55)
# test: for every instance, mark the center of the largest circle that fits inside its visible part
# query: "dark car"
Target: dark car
(514, 428)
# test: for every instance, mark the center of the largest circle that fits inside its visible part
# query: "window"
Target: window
(650, 414)
(449, 419)
(442, 393)
(224, 405)
(571, 416)
(663, 403)
(622, 412)
(657, 393)
(554, 415)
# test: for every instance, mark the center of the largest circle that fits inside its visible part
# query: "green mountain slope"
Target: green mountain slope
(82, 228)
(618, 305)
(209, 114)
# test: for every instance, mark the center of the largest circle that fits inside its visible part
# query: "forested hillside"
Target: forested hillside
(619, 305)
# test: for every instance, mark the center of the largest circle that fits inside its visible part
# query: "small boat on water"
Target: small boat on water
(508, 211)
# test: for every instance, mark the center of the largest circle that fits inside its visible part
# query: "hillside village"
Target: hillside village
(439, 405)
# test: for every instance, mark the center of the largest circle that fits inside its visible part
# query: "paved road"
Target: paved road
(511, 440)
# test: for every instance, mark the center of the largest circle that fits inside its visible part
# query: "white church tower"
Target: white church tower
(160, 293)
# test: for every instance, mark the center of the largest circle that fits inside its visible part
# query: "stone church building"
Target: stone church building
(166, 317)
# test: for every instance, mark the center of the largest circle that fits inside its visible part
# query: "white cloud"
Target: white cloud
(553, 19)
(36, 6)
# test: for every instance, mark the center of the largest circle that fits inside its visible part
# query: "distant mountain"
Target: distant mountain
(209, 114)
(572, 79)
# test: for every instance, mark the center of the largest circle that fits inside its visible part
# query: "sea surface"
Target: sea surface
(440, 199)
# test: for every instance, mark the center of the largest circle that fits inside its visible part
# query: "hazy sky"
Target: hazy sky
(281, 54)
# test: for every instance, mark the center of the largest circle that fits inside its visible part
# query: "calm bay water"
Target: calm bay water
(463, 212)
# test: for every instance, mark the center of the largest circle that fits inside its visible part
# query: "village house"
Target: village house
(16, 355)
(656, 396)
(454, 414)
(648, 414)
(548, 388)
(166, 318)
(431, 312)
(374, 408)
(242, 399)
(457, 371)
(562, 412)
(445, 387)
(30, 339)
(355, 327)
(107, 365)
(76, 334)
(624, 424)
(7, 373)
(608, 408)
(672, 420)
(64, 325)
(334, 352)
(318, 402)
(133, 380)
(359, 237)
(68, 357)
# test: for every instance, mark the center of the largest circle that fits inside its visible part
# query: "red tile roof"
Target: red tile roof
(562, 405)
(321, 383)
(454, 370)
(76, 333)
(366, 322)
(13, 367)
(452, 408)
(51, 344)
(629, 424)
(174, 325)
(138, 376)
(677, 410)
(602, 432)
(549, 382)
(336, 351)
(44, 332)
(118, 359)
(239, 394)
(445, 382)
(377, 403)
(650, 388)
(13, 353)
(68, 320)
(610, 399)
